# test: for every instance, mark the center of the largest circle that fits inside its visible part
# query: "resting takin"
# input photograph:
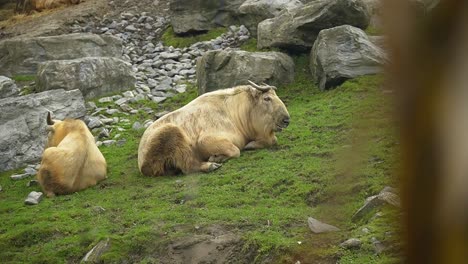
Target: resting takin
(71, 161)
(211, 129)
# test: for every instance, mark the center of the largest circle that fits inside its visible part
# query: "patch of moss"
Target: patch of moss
(24, 78)
(169, 38)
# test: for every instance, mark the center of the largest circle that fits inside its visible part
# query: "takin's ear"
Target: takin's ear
(50, 122)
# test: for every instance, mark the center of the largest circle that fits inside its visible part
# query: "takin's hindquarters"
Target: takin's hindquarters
(167, 150)
(73, 165)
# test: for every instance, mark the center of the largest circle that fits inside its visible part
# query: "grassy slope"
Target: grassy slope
(303, 176)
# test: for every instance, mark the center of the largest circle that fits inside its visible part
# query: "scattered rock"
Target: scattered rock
(22, 55)
(161, 114)
(225, 69)
(98, 209)
(30, 171)
(297, 29)
(93, 76)
(94, 255)
(109, 142)
(373, 202)
(158, 99)
(378, 246)
(137, 126)
(202, 15)
(17, 177)
(343, 53)
(33, 198)
(318, 227)
(351, 243)
(94, 122)
(105, 100)
(8, 87)
(23, 123)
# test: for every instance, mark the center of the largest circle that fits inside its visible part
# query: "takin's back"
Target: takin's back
(72, 161)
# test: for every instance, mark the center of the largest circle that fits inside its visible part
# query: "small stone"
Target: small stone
(378, 246)
(107, 121)
(105, 100)
(30, 171)
(126, 108)
(94, 122)
(94, 255)
(111, 111)
(351, 243)
(20, 176)
(104, 133)
(33, 198)
(116, 97)
(128, 94)
(32, 183)
(140, 97)
(148, 123)
(131, 28)
(98, 209)
(121, 142)
(109, 142)
(181, 88)
(365, 230)
(98, 144)
(158, 99)
(117, 136)
(137, 126)
(134, 111)
(92, 105)
(161, 114)
(121, 101)
(318, 227)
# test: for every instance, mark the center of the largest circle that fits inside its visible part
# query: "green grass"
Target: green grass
(339, 149)
(169, 38)
(24, 78)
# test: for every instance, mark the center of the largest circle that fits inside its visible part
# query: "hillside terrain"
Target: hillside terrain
(340, 149)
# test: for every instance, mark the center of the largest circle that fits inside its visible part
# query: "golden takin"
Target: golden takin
(211, 129)
(71, 161)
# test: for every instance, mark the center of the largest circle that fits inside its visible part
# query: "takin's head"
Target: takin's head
(269, 113)
(57, 130)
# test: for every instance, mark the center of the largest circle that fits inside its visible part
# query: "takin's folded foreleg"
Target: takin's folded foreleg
(217, 148)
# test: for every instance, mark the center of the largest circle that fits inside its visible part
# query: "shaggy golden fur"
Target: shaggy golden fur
(71, 161)
(211, 129)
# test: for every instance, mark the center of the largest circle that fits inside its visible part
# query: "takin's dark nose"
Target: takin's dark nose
(286, 122)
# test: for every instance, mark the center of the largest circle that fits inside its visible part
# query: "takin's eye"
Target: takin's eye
(267, 98)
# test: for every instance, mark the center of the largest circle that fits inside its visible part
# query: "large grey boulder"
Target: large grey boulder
(202, 15)
(23, 123)
(228, 68)
(297, 29)
(255, 11)
(22, 55)
(8, 87)
(93, 76)
(343, 53)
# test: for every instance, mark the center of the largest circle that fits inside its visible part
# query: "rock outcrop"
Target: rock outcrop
(23, 123)
(201, 15)
(93, 76)
(255, 11)
(8, 87)
(225, 69)
(22, 55)
(343, 53)
(297, 29)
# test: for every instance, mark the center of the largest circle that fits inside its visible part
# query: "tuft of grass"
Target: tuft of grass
(374, 31)
(24, 78)
(339, 148)
(251, 45)
(169, 38)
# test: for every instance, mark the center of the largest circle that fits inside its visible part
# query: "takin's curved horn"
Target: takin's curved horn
(50, 122)
(263, 88)
(271, 86)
